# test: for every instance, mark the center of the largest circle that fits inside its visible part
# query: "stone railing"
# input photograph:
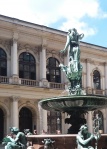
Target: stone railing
(28, 82)
(56, 85)
(4, 80)
(60, 86)
(95, 91)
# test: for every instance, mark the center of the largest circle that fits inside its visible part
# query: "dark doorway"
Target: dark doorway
(1, 124)
(25, 119)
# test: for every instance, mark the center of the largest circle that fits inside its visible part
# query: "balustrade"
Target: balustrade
(60, 86)
(4, 79)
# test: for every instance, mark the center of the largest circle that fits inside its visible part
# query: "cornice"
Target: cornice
(93, 62)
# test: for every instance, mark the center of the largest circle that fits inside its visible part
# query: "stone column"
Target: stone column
(63, 124)
(44, 82)
(43, 63)
(105, 121)
(44, 113)
(88, 77)
(89, 121)
(40, 119)
(105, 68)
(14, 57)
(14, 111)
(14, 60)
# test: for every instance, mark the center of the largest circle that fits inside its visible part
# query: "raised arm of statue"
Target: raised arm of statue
(80, 36)
(66, 45)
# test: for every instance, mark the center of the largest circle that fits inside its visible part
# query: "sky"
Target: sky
(87, 16)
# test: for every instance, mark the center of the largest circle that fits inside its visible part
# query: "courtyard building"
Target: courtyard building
(29, 71)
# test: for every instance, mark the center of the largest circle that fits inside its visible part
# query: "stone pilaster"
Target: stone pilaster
(44, 120)
(88, 76)
(105, 73)
(44, 82)
(89, 121)
(14, 111)
(14, 60)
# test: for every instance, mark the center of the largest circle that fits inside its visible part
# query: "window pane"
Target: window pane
(32, 68)
(27, 65)
(57, 64)
(96, 79)
(26, 57)
(52, 119)
(3, 63)
(32, 58)
(26, 75)
(33, 77)
(21, 66)
(21, 74)
(53, 70)
(3, 71)
(57, 72)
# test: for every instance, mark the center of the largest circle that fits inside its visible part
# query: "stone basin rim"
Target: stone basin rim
(79, 97)
(69, 103)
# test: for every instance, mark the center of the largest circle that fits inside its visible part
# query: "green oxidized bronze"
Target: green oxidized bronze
(84, 138)
(20, 141)
(74, 69)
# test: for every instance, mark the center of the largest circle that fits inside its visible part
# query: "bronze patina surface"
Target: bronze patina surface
(70, 103)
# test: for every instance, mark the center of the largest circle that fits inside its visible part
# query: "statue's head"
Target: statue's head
(72, 31)
(84, 128)
(14, 130)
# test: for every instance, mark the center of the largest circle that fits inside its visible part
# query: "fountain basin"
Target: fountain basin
(63, 141)
(71, 103)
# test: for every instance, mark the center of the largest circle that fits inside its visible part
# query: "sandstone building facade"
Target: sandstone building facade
(29, 71)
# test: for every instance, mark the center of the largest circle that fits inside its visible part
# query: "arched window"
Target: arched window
(25, 119)
(101, 119)
(96, 80)
(27, 66)
(54, 122)
(3, 63)
(53, 70)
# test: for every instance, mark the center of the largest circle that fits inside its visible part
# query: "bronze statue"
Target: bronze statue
(48, 143)
(74, 69)
(20, 141)
(84, 138)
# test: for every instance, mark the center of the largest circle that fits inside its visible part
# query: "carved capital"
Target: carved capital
(105, 63)
(14, 98)
(88, 60)
(44, 43)
(15, 37)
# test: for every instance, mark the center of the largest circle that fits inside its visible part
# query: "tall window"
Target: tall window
(53, 70)
(101, 119)
(54, 121)
(27, 66)
(25, 119)
(96, 79)
(3, 63)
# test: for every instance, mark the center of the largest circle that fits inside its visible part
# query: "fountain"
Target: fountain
(76, 103)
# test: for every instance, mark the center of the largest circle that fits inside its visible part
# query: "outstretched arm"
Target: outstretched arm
(80, 36)
(66, 45)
